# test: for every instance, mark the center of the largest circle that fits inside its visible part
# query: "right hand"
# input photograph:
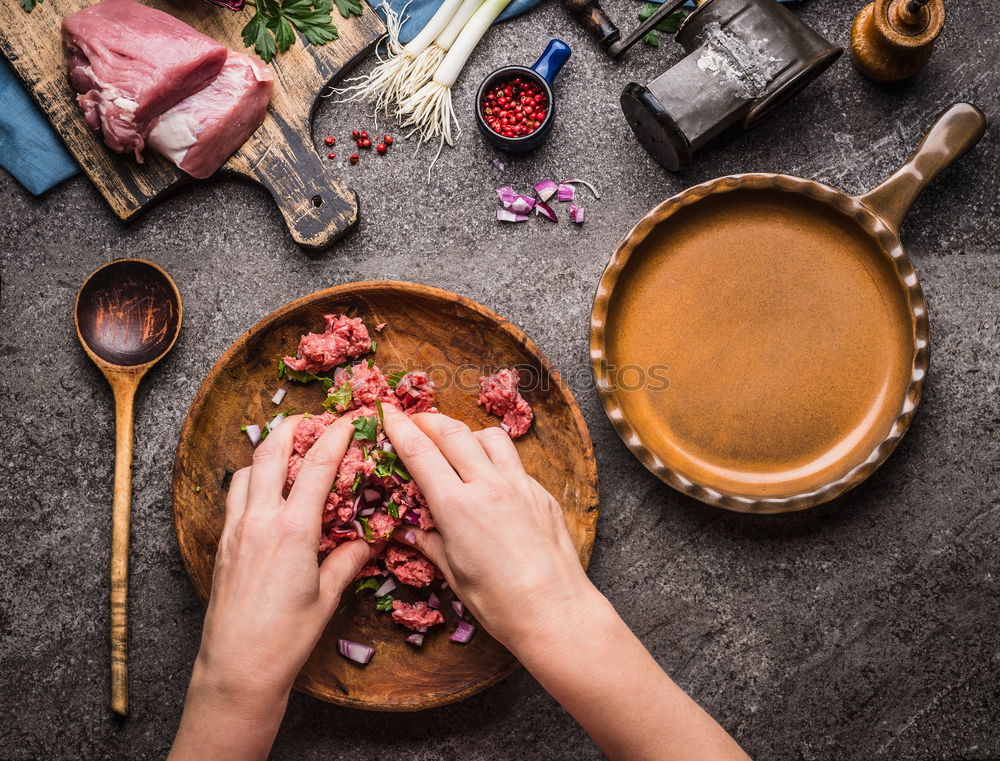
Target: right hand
(501, 539)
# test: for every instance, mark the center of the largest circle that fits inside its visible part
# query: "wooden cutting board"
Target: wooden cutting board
(318, 207)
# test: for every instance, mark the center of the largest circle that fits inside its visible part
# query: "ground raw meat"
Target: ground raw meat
(368, 385)
(500, 396)
(345, 338)
(206, 128)
(130, 63)
(415, 615)
(409, 566)
(415, 393)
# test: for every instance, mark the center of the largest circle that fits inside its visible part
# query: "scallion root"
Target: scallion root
(423, 68)
(429, 112)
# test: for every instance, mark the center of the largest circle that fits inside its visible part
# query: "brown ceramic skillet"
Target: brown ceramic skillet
(760, 341)
(455, 340)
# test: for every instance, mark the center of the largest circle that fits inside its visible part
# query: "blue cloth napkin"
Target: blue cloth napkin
(29, 148)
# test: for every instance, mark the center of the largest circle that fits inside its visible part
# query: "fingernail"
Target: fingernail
(411, 536)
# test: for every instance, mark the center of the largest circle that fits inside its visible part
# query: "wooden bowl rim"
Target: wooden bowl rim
(349, 289)
(868, 222)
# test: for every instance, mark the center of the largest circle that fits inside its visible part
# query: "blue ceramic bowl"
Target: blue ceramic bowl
(543, 72)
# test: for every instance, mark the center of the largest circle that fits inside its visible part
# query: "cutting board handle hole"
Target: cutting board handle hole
(317, 200)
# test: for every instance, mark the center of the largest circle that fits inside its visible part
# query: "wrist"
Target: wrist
(229, 695)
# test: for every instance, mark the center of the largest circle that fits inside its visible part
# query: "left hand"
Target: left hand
(271, 599)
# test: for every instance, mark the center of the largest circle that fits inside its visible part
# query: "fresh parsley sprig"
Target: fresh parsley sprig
(271, 29)
(669, 25)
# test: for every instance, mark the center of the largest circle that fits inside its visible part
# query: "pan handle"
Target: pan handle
(956, 130)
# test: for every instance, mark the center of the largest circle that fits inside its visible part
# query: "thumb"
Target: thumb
(342, 565)
(429, 543)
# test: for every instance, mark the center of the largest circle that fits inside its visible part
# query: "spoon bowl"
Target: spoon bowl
(127, 315)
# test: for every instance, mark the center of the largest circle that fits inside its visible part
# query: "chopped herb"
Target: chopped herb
(366, 428)
(243, 428)
(669, 25)
(389, 463)
(370, 582)
(29, 5)
(652, 38)
(197, 490)
(369, 536)
(395, 378)
(392, 508)
(374, 346)
(284, 371)
(384, 603)
(271, 30)
(378, 409)
(342, 608)
(371, 363)
(339, 398)
(357, 483)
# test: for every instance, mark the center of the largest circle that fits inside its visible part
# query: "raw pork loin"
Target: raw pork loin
(205, 129)
(130, 63)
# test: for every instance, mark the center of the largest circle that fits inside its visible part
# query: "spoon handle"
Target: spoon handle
(120, 518)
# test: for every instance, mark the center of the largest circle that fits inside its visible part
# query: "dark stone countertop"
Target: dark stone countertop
(865, 629)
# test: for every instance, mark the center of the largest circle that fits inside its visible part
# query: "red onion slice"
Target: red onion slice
(387, 586)
(459, 607)
(545, 210)
(584, 182)
(576, 213)
(545, 189)
(411, 518)
(503, 215)
(566, 193)
(275, 422)
(358, 528)
(279, 395)
(416, 639)
(463, 632)
(522, 204)
(499, 165)
(355, 651)
(507, 196)
(433, 601)
(367, 512)
(372, 495)
(253, 433)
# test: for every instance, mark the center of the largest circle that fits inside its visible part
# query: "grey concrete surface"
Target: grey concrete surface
(866, 629)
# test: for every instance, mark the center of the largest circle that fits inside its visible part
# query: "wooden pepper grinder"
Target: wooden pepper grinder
(893, 39)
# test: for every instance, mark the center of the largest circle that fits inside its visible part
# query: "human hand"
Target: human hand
(271, 599)
(501, 539)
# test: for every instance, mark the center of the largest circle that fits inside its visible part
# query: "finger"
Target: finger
(319, 469)
(501, 450)
(236, 501)
(458, 444)
(342, 565)
(270, 464)
(430, 543)
(435, 477)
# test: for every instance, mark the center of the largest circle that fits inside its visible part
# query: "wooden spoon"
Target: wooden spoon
(128, 315)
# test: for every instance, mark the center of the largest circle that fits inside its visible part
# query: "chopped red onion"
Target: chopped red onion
(275, 422)
(545, 210)
(278, 396)
(387, 586)
(584, 182)
(499, 165)
(411, 518)
(566, 193)
(506, 428)
(433, 601)
(357, 503)
(522, 204)
(545, 189)
(358, 528)
(372, 495)
(463, 632)
(367, 512)
(253, 433)
(576, 213)
(444, 585)
(422, 629)
(509, 216)
(340, 376)
(416, 639)
(459, 607)
(507, 196)
(386, 446)
(355, 651)
(341, 533)
(413, 391)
